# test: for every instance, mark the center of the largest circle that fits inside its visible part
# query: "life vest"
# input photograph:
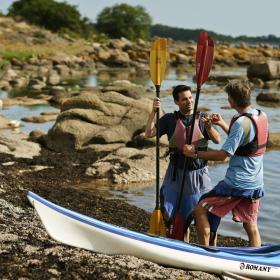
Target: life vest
(258, 145)
(181, 133)
(178, 140)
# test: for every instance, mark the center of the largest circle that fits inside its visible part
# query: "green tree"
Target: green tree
(52, 15)
(123, 20)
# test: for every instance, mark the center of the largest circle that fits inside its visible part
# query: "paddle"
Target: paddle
(158, 58)
(203, 63)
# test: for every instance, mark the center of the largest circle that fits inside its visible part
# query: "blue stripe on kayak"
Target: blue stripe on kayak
(263, 254)
(251, 250)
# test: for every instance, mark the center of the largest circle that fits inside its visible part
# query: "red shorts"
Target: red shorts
(244, 210)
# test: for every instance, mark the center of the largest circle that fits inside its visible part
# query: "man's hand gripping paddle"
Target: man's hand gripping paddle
(158, 59)
(203, 63)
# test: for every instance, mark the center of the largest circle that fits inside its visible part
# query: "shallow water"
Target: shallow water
(17, 112)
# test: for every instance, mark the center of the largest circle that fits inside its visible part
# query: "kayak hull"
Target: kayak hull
(78, 230)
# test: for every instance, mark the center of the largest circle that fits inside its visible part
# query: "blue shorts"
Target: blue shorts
(197, 182)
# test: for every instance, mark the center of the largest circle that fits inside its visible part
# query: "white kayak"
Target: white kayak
(81, 231)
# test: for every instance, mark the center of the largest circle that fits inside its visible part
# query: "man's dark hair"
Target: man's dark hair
(178, 89)
(240, 92)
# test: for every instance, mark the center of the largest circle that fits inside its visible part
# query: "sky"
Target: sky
(228, 17)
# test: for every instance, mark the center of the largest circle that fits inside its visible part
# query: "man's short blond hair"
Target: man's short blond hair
(240, 92)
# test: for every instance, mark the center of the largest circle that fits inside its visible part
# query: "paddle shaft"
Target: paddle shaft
(187, 160)
(158, 58)
(157, 151)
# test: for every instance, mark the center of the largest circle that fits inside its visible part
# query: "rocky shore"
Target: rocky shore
(27, 252)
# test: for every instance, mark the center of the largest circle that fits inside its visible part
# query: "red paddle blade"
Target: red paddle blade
(204, 57)
(176, 229)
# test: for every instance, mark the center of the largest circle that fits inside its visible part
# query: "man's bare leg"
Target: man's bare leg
(202, 225)
(213, 238)
(253, 234)
(187, 236)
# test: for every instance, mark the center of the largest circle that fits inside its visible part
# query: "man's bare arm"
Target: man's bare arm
(218, 120)
(151, 129)
(214, 135)
(215, 155)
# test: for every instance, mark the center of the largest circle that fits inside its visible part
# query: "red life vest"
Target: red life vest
(181, 133)
(257, 146)
(178, 140)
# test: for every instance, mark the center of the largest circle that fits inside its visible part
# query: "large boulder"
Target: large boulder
(69, 135)
(90, 116)
(136, 117)
(86, 101)
(118, 133)
(98, 118)
(128, 165)
(109, 96)
(131, 124)
(269, 70)
(126, 88)
(272, 97)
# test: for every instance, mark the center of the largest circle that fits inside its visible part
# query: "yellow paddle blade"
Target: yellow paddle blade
(158, 59)
(157, 226)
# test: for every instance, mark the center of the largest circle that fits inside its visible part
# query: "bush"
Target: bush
(52, 15)
(122, 20)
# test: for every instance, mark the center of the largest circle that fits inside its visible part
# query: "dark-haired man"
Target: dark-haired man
(242, 187)
(177, 126)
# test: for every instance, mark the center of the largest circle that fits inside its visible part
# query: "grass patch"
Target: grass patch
(3, 63)
(23, 52)
(15, 54)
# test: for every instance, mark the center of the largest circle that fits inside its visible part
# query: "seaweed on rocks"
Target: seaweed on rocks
(26, 250)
